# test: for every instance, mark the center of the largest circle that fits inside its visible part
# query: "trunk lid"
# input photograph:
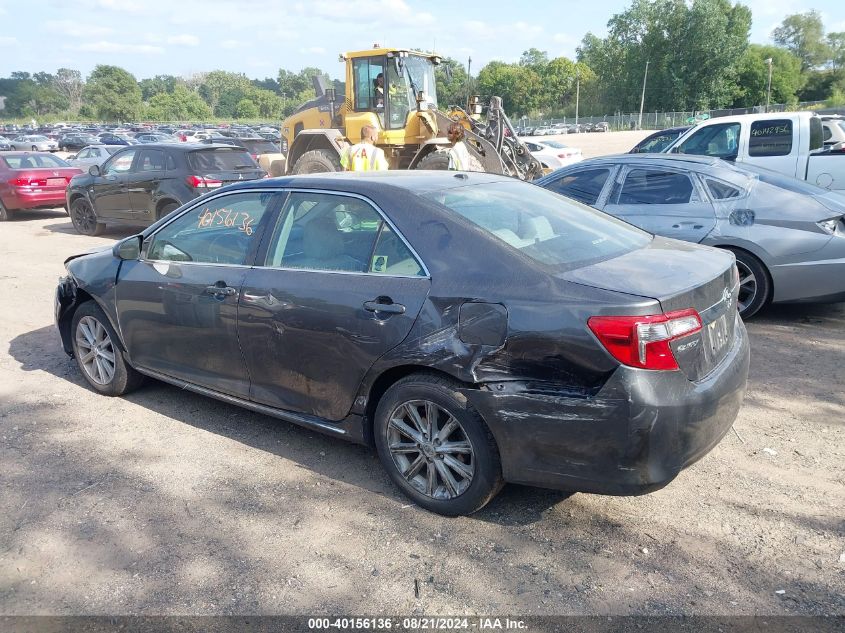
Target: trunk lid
(44, 179)
(679, 275)
(224, 164)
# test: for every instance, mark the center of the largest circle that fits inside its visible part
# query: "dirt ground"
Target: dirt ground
(166, 502)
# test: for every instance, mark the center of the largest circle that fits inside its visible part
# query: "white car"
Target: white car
(34, 142)
(560, 128)
(543, 130)
(93, 155)
(554, 155)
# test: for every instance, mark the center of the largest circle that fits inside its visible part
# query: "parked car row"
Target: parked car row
(562, 128)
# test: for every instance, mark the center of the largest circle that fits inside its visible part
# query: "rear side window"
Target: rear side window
(220, 160)
(548, 228)
(770, 138)
(650, 186)
(151, 160)
(583, 186)
(721, 190)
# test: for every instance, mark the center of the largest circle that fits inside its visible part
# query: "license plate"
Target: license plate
(717, 335)
(56, 182)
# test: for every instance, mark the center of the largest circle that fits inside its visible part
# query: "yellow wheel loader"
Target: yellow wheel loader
(394, 90)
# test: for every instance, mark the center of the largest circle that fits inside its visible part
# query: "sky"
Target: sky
(257, 37)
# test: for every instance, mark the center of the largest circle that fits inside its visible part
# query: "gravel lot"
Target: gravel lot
(166, 502)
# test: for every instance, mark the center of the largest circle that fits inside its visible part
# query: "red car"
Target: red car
(32, 180)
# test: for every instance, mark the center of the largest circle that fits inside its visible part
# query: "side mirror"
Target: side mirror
(128, 249)
(71, 157)
(94, 170)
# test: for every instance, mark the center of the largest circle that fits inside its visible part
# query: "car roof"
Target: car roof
(365, 183)
(707, 164)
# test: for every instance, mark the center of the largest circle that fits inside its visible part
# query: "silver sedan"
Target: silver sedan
(788, 236)
(93, 155)
(34, 142)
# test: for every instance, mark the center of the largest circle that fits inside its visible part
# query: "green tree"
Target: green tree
(520, 88)
(753, 76)
(156, 85)
(180, 105)
(223, 90)
(113, 94)
(836, 48)
(246, 109)
(268, 103)
(691, 48)
(453, 85)
(803, 35)
(534, 59)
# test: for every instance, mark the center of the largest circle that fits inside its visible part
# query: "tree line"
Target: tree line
(697, 53)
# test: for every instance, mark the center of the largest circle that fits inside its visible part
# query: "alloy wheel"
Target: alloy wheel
(96, 350)
(430, 449)
(747, 286)
(84, 218)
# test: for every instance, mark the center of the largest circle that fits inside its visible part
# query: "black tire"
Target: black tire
(84, 218)
(168, 208)
(755, 284)
(5, 214)
(438, 160)
(485, 480)
(123, 378)
(34, 148)
(317, 161)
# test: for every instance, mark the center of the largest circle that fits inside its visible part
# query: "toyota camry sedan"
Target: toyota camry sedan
(474, 329)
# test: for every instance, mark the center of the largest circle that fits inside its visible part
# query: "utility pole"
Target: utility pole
(642, 99)
(469, 78)
(769, 89)
(577, 93)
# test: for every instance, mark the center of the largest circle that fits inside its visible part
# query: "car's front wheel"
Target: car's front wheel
(436, 447)
(84, 218)
(99, 355)
(5, 214)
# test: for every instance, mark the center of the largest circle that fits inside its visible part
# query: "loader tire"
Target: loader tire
(317, 161)
(435, 160)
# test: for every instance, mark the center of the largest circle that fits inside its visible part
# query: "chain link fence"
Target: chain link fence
(662, 120)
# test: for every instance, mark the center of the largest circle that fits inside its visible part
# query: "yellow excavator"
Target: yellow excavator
(395, 91)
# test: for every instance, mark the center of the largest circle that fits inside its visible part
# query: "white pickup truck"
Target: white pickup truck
(791, 143)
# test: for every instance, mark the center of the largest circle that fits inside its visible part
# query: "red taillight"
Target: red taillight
(643, 341)
(201, 182)
(28, 182)
(254, 157)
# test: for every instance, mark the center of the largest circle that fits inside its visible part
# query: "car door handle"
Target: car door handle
(388, 308)
(226, 291)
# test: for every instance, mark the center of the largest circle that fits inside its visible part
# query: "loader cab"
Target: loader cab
(387, 85)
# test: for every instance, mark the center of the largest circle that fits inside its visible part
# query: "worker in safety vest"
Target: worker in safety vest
(364, 156)
(459, 156)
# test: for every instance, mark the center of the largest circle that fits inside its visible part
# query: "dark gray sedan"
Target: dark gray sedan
(473, 328)
(788, 236)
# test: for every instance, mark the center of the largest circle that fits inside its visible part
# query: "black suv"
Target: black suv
(140, 184)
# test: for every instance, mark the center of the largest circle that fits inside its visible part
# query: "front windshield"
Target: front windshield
(416, 74)
(420, 73)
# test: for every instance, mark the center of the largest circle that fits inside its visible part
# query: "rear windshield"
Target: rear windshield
(211, 160)
(34, 161)
(261, 147)
(546, 227)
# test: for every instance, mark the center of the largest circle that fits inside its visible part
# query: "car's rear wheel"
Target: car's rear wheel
(5, 214)
(34, 148)
(99, 355)
(84, 218)
(436, 447)
(317, 161)
(755, 286)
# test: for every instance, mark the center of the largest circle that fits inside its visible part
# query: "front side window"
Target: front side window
(222, 231)
(720, 140)
(584, 186)
(120, 164)
(770, 138)
(84, 153)
(652, 186)
(318, 231)
(546, 227)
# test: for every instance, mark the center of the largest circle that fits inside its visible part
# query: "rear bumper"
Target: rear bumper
(18, 199)
(822, 279)
(633, 437)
